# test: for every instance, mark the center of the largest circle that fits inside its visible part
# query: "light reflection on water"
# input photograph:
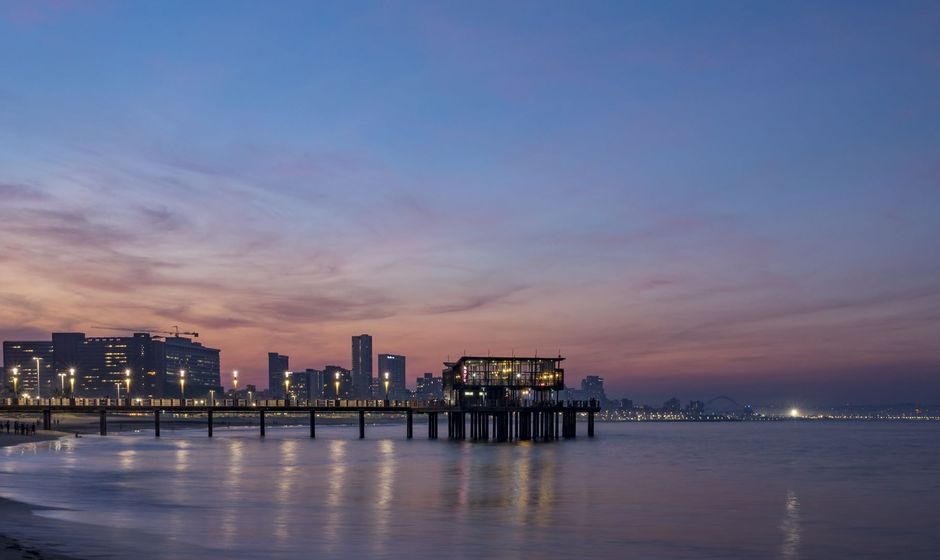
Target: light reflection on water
(791, 527)
(649, 491)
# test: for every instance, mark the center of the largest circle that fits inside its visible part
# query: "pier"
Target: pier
(538, 421)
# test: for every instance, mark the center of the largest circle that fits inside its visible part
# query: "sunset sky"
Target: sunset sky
(689, 198)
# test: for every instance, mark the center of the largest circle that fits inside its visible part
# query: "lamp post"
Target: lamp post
(38, 383)
(235, 383)
(386, 386)
(182, 387)
(62, 384)
(16, 377)
(337, 385)
(211, 397)
(287, 385)
(127, 378)
(71, 382)
(117, 385)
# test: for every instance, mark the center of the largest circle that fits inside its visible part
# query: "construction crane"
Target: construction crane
(175, 332)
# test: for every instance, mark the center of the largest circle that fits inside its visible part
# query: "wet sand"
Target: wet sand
(10, 548)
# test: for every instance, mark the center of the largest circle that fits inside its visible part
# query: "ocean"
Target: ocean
(739, 490)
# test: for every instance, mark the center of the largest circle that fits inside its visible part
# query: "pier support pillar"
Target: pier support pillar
(410, 429)
(313, 423)
(261, 419)
(46, 419)
(156, 423)
(591, 424)
(209, 414)
(362, 424)
(103, 422)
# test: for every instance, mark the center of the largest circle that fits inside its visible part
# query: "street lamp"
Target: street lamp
(71, 382)
(62, 383)
(235, 383)
(182, 386)
(16, 377)
(38, 384)
(287, 385)
(117, 385)
(211, 397)
(127, 378)
(337, 385)
(386, 386)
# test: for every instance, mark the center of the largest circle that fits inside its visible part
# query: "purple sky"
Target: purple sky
(689, 198)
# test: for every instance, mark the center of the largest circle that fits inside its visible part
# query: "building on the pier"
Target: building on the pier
(499, 381)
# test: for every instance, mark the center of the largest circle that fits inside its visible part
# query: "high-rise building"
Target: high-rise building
(101, 364)
(361, 366)
(299, 385)
(392, 367)
(316, 383)
(429, 387)
(200, 363)
(21, 355)
(277, 365)
(337, 382)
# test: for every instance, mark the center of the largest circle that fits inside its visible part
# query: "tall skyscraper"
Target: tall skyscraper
(394, 366)
(277, 365)
(361, 366)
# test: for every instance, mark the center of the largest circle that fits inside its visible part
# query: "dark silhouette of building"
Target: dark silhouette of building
(21, 356)
(361, 366)
(696, 408)
(392, 365)
(316, 380)
(277, 365)
(337, 382)
(429, 387)
(494, 381)
(672, 405)
(300, 384)
(103, 363)
(200, 363)
(592, 387)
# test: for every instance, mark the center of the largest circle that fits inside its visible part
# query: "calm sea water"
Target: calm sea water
(734, 490)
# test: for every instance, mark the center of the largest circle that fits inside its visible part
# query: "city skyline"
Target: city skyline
(695, 201)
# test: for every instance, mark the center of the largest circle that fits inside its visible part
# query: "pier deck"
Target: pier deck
(542, 421)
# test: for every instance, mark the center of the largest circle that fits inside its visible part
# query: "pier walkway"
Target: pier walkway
(526, 421)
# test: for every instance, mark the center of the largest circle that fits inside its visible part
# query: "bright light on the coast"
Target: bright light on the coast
(794, 413)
